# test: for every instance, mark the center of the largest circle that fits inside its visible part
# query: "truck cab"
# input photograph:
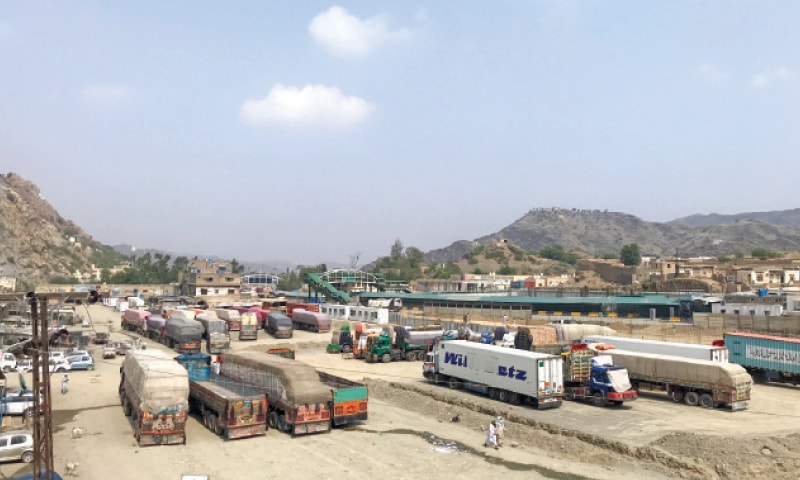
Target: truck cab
(594, 377)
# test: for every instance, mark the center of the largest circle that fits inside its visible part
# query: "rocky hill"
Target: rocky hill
(595, 233)
(784, 218)
(37, 243)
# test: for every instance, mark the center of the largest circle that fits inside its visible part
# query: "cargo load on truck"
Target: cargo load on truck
(155, 327)
(279, 325)
(154, 389)
(215, 333)
(311, 321)
(509, 375)
(298, 400)
(231, 317)
(249, 326)
(694, 382)
(569, 333)
(135, 321)
(686, 350)
(766, 357)
(182, 334)
(594, 377)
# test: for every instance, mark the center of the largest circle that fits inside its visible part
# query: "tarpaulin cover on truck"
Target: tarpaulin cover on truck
(667, 368)
(619, 380)
(183, 329)
(155, 380)
(288, 381)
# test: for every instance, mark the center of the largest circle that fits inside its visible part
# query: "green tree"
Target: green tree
(630, 254)
(105, 275)
(507, 270)
(763, 253)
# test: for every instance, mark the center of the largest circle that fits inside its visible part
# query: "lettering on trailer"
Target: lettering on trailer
(772, 354)
(512, 372)
(456, 359)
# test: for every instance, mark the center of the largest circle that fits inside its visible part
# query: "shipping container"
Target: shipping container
(766, 357)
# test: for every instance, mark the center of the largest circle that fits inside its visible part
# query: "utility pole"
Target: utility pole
(42, 419)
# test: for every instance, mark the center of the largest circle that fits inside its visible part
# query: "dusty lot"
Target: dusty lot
(410, 433)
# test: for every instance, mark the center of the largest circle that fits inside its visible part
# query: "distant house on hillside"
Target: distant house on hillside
(208, 277)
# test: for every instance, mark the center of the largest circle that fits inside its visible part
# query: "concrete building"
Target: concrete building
(209, 278)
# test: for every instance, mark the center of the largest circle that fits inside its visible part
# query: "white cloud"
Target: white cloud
(712, 74)
(345, 35)
(769, 77)
(106, 96)
(310, 106)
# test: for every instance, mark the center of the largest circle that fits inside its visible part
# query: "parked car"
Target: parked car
(84, 362)
(101, 337)
(123, 347)
(60, 365)
(16, 445)
(20, 402)
(110, 352)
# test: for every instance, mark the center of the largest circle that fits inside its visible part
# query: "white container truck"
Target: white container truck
(508, 375)
(656, 347)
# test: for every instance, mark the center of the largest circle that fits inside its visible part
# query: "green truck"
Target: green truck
(380, 348)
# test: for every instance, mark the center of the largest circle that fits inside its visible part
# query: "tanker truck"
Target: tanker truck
(154, 391)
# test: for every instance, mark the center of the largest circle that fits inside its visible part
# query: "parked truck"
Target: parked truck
(589, 376)
(215, 333)
(298, 400)
(694, 382)
(228, 408)
(311, 321)
(249, 326)
(182, 334)
(766, 357)
(154, 391)
(380, 348)
(279, 325)
(135, 320)
(686, 350)
(231, 317)
(155, 327)
(349, 399)
(509, 375)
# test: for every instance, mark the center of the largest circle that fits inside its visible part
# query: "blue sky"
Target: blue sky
(309, 131)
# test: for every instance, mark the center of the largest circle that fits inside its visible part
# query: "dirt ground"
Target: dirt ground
(410, 433)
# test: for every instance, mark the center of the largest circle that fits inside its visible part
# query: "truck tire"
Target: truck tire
(706, 401)
(598, 400)
(386, 358)
(691, 399)
(502, 395)
(493, 393)
(677, 395)
(127, 408)
(347, 349)
(514, 398)
(272, 419)
(454, 383)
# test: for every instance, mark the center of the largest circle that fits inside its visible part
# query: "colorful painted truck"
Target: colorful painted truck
(228, 408)
(279, 325)
(154, 391)
(686, 350)
(231, 317)
(311, 321)
(182, 334)
(505, 374)
(249, 326)
(349, 401)
(379, 348)
(215, 333)
(694, 382)
(298, 400)
(766, 357)
(135, 321)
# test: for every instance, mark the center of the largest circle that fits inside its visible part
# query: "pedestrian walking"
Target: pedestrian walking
(505, 320)
(501, 430)
(491, 437)
(64, 384)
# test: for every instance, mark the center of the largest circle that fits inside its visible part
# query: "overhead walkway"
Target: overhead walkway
(314, 281)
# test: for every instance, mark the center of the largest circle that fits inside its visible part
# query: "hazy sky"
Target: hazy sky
(308, 131)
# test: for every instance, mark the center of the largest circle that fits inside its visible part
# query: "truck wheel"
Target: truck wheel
(272, 420)
(598, 400)
(677, 395)
(453, 383)
(706, 401)
(386, 358)
(347, 349)
(493, 393)
(127, 408)
(691, 399)
(502, 395)
(27, 457)
(514, 398)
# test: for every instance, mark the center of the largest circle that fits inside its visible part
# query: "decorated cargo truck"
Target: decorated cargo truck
(154, 391)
